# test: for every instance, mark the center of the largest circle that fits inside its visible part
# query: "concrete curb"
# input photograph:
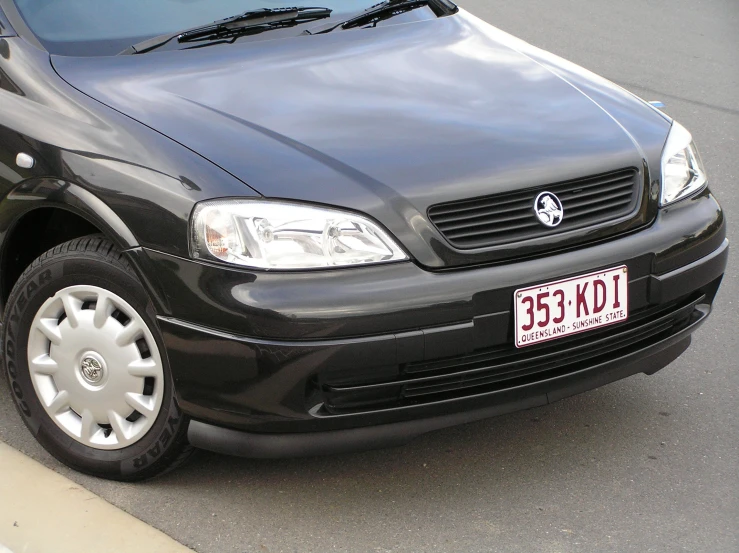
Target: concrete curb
(43, 512)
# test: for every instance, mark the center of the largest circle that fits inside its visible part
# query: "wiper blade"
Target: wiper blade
(385, 10)
(250, 22)
(256, 18)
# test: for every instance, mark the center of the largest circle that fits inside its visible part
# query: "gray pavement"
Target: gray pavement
(649, 464)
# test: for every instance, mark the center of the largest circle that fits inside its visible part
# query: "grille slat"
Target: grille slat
(601, 199)
(489, 230)
(523, 206)
(592, 211)
(625, 187)
(482, 203)
(509, 218)
(456, 225)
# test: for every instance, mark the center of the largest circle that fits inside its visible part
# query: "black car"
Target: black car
(300, 231)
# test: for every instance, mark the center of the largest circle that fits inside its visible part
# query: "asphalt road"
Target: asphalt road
(646, 464)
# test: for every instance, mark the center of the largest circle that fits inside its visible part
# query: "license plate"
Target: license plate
(570, 306)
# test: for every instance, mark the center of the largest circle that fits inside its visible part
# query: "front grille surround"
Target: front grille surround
(508, 219)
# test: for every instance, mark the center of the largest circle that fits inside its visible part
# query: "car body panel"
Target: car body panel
(284, 386)
(386, 121)
(401, 297)
(147, 182)
(378, 121)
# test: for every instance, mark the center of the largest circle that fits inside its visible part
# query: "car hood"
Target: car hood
(387, 121)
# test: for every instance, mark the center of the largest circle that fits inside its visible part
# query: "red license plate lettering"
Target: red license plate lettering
(569, 306)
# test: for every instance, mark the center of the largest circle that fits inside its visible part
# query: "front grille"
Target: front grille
(506, 367)
(507, 218)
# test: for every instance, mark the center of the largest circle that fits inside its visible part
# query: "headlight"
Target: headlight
(682, 169)
(276, 235)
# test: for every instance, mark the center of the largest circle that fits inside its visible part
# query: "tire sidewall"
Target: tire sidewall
(31, 291)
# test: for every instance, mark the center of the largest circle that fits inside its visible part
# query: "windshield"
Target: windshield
(105, 27)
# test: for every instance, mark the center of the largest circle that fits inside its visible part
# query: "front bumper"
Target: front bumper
(305, 363)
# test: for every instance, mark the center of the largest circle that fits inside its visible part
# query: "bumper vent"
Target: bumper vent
(507, 218)
(507, 367)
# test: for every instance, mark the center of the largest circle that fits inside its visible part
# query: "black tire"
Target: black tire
(94, 261)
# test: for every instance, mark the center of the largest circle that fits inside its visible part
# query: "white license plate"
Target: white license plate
(558, 309)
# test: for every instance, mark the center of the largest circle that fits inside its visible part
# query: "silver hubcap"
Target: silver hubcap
(96, 367)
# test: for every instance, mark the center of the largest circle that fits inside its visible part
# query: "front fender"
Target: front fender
(35, 194)
(57, 193)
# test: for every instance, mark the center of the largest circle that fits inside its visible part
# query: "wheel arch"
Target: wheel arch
(42, 213)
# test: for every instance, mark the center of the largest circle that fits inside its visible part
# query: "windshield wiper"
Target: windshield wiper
(385, 10)
(250, 22)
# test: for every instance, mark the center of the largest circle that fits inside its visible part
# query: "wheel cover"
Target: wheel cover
(96, 367)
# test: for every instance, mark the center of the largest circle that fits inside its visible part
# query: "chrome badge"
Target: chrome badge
(549, 209)
(92, 370)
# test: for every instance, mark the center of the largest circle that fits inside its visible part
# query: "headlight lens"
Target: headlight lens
(682, 169)
(277, 235)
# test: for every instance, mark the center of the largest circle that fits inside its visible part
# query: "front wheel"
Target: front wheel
(85, 362)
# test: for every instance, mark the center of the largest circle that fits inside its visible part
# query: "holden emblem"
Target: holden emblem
(548, 209)
(92, 370)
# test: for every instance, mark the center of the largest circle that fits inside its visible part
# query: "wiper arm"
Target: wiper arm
(250, 22)
(386, 10)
